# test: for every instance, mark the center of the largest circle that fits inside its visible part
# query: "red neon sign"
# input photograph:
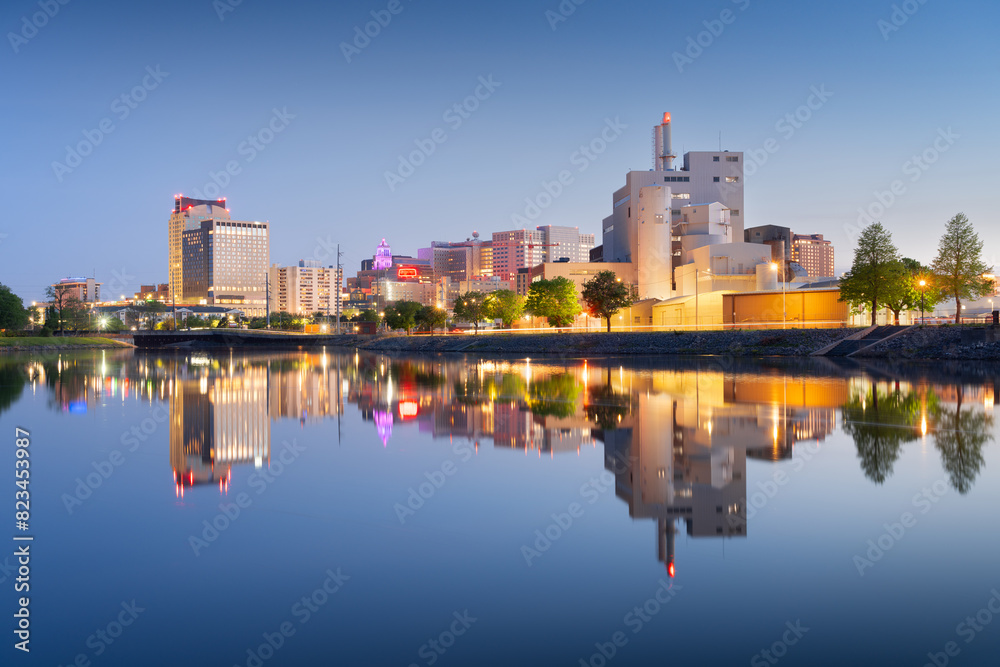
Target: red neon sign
(406, 272)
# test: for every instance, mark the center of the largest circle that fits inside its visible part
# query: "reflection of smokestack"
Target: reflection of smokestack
(668, 532)
(663, 160)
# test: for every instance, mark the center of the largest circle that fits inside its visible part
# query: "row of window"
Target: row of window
(729, 158)
(729, 179)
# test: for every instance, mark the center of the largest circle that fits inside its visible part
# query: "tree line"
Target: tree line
(880, 278)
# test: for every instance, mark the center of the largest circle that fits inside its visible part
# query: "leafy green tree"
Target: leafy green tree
(13, 314)
(370, 315)
(877, 275)
(555, 300)
(432, 318)
(113, 324)
(402, 315)
(471, 307)
(506, 306)
(910, 292)
(959, 265)
(605, 294)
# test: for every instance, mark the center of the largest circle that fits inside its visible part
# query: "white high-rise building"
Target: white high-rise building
(307, 288)
(706, 177)
(565, 244)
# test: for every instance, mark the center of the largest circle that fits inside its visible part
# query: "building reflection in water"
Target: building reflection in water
(677, 439)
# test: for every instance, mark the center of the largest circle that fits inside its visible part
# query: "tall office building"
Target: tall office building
(225, 263)
(648, 232)
(517, 249)
(814, 254)
(565, 244)
(305, 289)
(187, 214)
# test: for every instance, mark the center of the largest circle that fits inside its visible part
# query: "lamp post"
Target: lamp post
(923, 284)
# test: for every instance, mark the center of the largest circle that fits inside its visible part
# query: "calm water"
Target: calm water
(341, 508)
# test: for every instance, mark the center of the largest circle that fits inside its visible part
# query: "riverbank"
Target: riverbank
(933, 342)
(740, 343)
(58, 343)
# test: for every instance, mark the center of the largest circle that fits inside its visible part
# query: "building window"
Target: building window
(732, 158)
(715, 158)
(732, 179)
(715, 179)
(734, 211)
(680, 195)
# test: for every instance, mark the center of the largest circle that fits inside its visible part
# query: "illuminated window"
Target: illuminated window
(732, 179)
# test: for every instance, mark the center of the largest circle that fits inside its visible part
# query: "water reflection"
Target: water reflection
(676, 438)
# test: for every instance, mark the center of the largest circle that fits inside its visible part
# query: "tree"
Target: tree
(471, 307)
(432, 318)
(555, 300)
(605, 294)
(402, 315)
(370, 315)
(63, 302)
(909, 295)
(959, 266)
(13, 314)
(505, 306)
(877, 275)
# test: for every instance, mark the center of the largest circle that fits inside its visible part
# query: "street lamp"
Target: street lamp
(923, 284)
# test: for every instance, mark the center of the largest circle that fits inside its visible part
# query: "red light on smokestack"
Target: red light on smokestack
(666, 117)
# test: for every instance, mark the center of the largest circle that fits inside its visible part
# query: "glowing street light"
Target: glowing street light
(923, 284)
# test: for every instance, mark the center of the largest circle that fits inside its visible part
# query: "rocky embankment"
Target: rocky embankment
(743, 343)
(933, 342)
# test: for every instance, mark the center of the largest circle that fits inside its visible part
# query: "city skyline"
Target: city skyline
(299, 157)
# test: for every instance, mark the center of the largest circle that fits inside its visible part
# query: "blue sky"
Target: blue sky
(329, 130)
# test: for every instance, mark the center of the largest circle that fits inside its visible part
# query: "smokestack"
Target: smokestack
(664, 154)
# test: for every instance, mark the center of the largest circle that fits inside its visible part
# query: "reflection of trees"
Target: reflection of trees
(960, 437)
(880, 422)
(606, 406)
(12, 381)
(554, 396)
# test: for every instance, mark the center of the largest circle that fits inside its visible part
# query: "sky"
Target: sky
(847, 112)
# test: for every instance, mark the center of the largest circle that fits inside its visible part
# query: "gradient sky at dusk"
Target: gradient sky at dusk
(323, 175)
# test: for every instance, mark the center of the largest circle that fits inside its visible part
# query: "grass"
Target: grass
(60, 341)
